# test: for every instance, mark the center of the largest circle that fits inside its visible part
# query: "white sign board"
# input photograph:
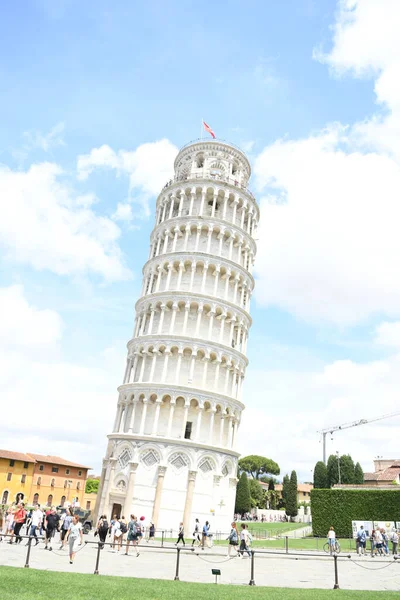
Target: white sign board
(370, 525)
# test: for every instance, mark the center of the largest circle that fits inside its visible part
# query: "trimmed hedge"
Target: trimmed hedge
(339, 507)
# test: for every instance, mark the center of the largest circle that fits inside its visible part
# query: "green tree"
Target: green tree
(256, 494)
(358, 474)
(271, 484)
(346, 469)
(285, 489)
(243, 499)
(333, 470)
(272, 497)
(92, 486)
(291, 501)
(256, 466)
(321, 475)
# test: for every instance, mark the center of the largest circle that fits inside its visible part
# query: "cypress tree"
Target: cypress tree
(291, 502)
(347, 469)
(358, 474)
(285, 488)
(333, 470)
(243, 499)
(271, 484)
(321, 475)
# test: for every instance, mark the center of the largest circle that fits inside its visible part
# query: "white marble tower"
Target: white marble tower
(171, 455)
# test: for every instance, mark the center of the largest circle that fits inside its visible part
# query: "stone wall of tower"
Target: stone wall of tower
(171, 455)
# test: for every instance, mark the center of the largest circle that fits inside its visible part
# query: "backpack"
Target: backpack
(123, 527)
(233, 536)
(132, 527)
(104, 525)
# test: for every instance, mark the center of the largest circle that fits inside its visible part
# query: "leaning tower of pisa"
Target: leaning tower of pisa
(171, 455)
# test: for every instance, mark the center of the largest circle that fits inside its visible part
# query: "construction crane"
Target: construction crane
(331, 430)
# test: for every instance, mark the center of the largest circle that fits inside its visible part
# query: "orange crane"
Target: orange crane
(324, 432)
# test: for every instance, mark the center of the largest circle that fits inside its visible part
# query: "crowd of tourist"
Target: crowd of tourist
(120, 533)
(379, 540)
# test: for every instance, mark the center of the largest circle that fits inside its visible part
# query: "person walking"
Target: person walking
(204, 534)
(66, 522)
(181, 534)
(394, 538)
(244, 541)
(123, 526)
(51, 526)
(102, 530)
(28, 522)
(385, 542)
(152, 531)
(116, 533)
(378, 542)
(36, 522)
(74, 537)
(361, 540)
(331, 539)
(10, 524)
(19, 520)
(233, 540)
(196, 533)
(132, 535)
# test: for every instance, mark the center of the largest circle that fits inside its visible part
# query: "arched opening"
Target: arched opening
(49, 499)
(4, 498)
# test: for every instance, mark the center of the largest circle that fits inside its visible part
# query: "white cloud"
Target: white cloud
(43, 385)
(45, 141)
(43, 224)
(123, 212)
(366, 43)
(148, 167)
(283, 420)
(388, 334)
(25, 326)
(329, 246)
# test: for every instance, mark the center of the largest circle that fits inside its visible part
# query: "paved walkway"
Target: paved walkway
(284, 570)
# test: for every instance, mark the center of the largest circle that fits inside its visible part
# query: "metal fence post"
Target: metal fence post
(286, 544)
(26, 565)
(162, 538)
(252, 582)
(178, 551)
(336, 586)
(96, 570)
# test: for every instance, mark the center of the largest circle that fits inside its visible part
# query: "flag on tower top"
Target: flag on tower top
(208, 128)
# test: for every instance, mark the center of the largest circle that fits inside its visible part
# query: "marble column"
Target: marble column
(158, 494)
(113, 462)
(187, 513)
(129, 492)
(132, 420)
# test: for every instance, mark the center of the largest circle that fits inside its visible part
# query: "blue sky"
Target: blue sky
(96, 98)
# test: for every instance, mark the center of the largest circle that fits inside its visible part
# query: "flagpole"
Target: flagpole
(201, 130)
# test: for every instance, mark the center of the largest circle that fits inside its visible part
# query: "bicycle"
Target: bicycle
(332, 548)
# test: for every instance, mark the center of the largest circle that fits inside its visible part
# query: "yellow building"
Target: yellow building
(303, 492)
(16, 476)
(89, 501)
(57, 481)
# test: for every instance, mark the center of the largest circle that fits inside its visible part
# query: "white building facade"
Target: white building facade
(171, 455)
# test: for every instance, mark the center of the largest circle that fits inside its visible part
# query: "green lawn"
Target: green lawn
(30, 584)
(257, 530)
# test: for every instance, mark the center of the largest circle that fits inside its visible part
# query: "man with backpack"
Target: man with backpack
(361, 540)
